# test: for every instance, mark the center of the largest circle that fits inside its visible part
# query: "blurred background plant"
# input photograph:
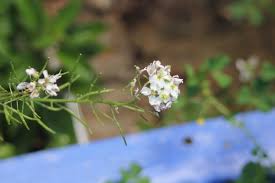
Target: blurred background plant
(28, 37)
(132, 175)
(253, 11)
(216, 75)
(251, 173)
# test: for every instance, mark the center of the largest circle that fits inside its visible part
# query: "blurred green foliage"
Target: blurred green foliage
(198, 82)
(132, 175)
(253, 11)
(28, 35)
(254, 173)
(215, 77)
(259, 92)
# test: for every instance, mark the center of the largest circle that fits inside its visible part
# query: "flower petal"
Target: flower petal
(31, 72)
(22, 86)
(34, 94)
(153, 100)
(146, 91)
(45, 74)
(41, 81)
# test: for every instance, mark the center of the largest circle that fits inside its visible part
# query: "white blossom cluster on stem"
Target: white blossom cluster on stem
(247, 68)
(37, 85)
(162, 89)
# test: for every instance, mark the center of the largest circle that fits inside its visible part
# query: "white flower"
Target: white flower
(162, 106)
(153, 67)
(52, 89)
(49, 83)
(177, 80)
(173, 91)
(145, 91)
(164, 95)
(34, 94)
(154, 100)
(162, 89)
(22, 86)
(49, 78)
(247, 68)
(32, 72)
(26, 86)
(174, 87)
(29, 87)
(160, 79)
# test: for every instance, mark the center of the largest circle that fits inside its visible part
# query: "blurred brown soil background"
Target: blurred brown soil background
(173, 31)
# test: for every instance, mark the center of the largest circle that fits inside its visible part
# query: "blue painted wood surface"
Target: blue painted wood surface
(218, 152)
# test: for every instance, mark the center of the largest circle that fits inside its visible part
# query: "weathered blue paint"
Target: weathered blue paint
(218, 152)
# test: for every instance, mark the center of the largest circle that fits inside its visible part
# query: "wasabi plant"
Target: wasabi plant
(43, 89)
(46, 84)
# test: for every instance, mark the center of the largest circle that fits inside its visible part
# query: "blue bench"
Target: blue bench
(217, 152)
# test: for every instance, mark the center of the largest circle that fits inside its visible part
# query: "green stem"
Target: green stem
(219, 106)
(82, 99)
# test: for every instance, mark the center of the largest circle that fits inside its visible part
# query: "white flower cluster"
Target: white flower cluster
(162, 89)
(247, 68)
(46, 84)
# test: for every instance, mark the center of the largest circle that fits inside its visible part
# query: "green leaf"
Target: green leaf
(215, 63)
(84, 35)
(5, 54)
(31, 14)
(255, 16)
(189, 70)
(132, 175)
(6, 27)
(135, 169)
(4, 6)
(6, 150)
(56, 28)
(237, 10)
(65, 18)
(252, 11)
(253, 173)
(268, 72)
(222, 79)
(263, 103)
(245, 96)
(59, 139)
